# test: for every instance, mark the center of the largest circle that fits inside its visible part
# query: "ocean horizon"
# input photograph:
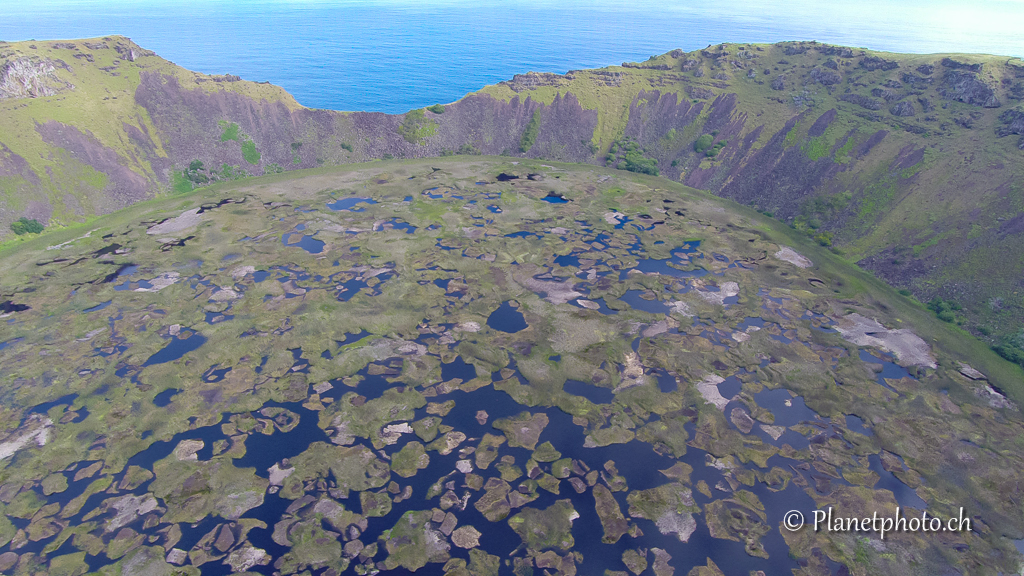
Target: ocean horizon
(394, 56)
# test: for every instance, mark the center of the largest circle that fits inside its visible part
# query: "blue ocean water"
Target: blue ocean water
(396, 55)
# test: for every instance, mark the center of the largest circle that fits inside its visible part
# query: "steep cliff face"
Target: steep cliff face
(908, 164)
(190, 122)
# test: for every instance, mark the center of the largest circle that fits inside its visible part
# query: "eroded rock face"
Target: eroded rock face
(908, 347)
(789, 255)
(180, 223)
(36, 430)
(32, 78)
(708, 388)
(242, 559)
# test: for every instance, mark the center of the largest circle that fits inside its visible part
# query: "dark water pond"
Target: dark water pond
(399, 225)
(522, 234)
(129, 285)
(595, 394)
(97, 307)
(350, 288)
(856, 424)
(506, 318)
(788, 410)
(906, 497)
(10, 342)
(125, 271)
(458, 368)
(307, 243)
(217, 317)
(567, 260)
(175, 349)
(889, 369)
(750, 321)
(350, 203)
(637, 462)
(662, 267)
(666, 382)
(46, 406)
(632, 297)
(164, 398)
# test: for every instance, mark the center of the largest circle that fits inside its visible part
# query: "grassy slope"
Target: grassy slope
(100, 103)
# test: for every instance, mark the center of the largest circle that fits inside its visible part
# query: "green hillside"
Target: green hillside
(907, 165)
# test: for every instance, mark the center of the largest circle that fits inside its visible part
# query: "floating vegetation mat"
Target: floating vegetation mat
(453, 370)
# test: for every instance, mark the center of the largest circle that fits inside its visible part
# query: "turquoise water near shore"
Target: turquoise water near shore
(393, 56)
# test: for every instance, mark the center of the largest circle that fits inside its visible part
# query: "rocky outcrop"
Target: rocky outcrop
(886, 94)
(1011, 122)
(903, 108)
(862, 101)
(872, 63)
(825, 77)
(534, 80)
(966, 87)
(700, 93)
(955, 65)
(918, 82)
(32, 78)
(841, 51)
